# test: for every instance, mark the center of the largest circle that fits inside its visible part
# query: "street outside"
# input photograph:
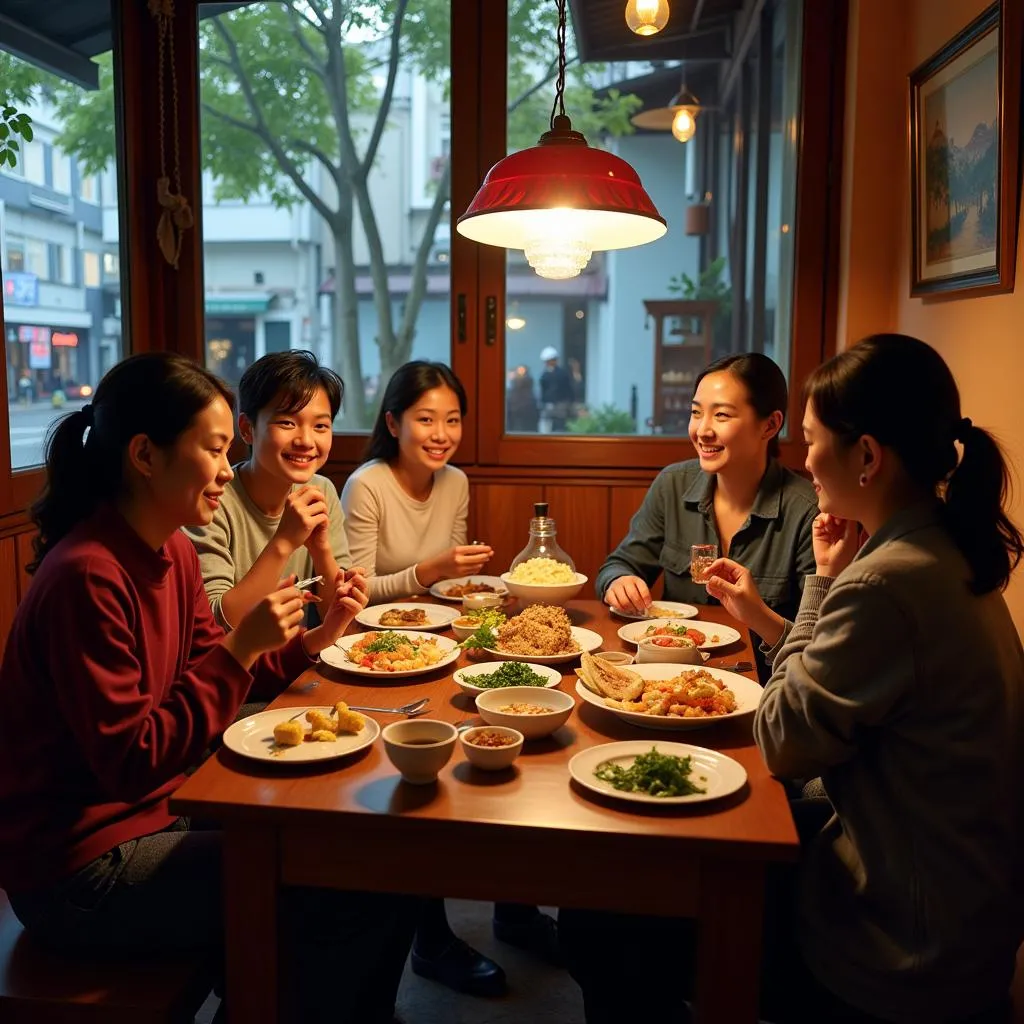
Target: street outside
(29, 424)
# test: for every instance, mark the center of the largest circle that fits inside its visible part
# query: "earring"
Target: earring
(863, 479)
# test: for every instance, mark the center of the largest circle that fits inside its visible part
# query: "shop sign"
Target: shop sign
(21, 289)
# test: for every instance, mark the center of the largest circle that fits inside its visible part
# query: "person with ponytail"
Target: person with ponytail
(116, 678)
(901, 684)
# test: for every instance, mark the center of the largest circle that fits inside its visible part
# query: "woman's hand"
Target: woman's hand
(349, 597)
(628, 594)
(305, 509)
(733, 586)
(835, 542)
(461, 560)
(271, 623)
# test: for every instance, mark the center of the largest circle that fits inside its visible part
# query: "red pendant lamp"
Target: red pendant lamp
(560, 201)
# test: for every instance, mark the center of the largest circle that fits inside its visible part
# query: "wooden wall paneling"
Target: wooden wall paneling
(500, 515)
(25, 554)
(623, 503)
(581, 514)
(8, 586)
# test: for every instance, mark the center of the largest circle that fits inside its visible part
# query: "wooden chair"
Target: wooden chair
(38, 986)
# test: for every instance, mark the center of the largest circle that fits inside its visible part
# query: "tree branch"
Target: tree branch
(389, 89)
(317, 8)
(418, 282)
(297, 21)
(259, 128)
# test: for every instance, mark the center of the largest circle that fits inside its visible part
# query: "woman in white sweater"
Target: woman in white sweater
(406, 507)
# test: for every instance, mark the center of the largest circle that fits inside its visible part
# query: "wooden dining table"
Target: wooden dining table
(529, 834)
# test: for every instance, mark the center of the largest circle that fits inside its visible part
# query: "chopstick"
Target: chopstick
(302, 584)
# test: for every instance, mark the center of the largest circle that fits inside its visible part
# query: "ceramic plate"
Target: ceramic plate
(715, 635)
(747, 692)
(338, 658)
(658, 611)
(254, 737)
(441, 587)
(588, 640)
(717, 774)
(464, 676)
(437, 616)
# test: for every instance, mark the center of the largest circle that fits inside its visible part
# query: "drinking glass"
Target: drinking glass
(701, 558)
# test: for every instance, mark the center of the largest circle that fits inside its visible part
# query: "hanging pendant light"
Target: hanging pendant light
(646, 17)
(679, 117)
(561, 200)
(515, 321)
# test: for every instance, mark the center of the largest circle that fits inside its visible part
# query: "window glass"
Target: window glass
(88, 190)
(336, 237)
(62, 326)
(61, 165)
(34, 162)
(91, 269)
(616, 349)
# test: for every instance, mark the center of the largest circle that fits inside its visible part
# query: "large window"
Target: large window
(326, 215)
(62, 327)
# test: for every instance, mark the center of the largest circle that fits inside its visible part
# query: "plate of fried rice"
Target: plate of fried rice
(544, 635)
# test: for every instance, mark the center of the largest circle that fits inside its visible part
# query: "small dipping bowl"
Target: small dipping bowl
(557, 706)
(620, 658)
(419, 748)
(477, 602)
(648, 650)
(491, 759)
(463, 629)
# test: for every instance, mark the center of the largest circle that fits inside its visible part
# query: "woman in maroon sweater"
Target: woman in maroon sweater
(116, 679)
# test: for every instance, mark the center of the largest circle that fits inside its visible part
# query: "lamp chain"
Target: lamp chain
(559, 104)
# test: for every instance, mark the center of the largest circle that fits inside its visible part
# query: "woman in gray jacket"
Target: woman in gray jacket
(900, 684)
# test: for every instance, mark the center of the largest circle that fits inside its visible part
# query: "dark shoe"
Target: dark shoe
(537, 934)
(462, 968)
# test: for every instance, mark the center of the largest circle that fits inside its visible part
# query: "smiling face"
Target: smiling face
(290, 446)
(726, 429)
(835, 468)
(187, 479)
(429, 431)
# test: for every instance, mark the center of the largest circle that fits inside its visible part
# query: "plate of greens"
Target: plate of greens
(657, 773)
(492, 675)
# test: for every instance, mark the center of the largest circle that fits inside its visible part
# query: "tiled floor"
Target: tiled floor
(537, 994)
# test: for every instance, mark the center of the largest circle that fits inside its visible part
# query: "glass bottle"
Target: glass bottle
(542, 543)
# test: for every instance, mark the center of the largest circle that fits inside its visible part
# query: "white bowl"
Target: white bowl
(464, 631)
(533, 727)
(648, 651)
(419, 747)
(464, 677)
(544, 593)
(491, 759)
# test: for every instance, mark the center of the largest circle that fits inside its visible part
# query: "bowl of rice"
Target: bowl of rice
(543, 580)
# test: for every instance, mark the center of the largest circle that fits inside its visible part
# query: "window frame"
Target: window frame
(815, 271)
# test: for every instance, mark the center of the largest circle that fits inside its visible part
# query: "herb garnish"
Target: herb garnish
(511, 673)
(389, 641)
(485, 634)
(652, 773)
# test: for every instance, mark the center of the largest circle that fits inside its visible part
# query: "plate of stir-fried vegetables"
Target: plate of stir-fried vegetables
(657, 773)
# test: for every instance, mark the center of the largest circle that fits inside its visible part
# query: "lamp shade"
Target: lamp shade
(661, 119)
(559, 201)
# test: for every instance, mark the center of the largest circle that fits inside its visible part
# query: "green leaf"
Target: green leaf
(9, 112)
(27, 133)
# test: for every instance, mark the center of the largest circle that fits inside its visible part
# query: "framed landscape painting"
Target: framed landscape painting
(964, 158)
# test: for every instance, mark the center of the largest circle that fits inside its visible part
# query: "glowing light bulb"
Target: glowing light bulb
(645, 17)
(557, 257)
(684, 124)
(515, 322)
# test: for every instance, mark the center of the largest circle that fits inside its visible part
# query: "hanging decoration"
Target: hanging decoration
(561, 200)
(176, 217)
(646, 17)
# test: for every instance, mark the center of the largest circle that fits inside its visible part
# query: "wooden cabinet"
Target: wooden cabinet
(682, 348)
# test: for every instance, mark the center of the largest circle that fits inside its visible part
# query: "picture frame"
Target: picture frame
(965, 127)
